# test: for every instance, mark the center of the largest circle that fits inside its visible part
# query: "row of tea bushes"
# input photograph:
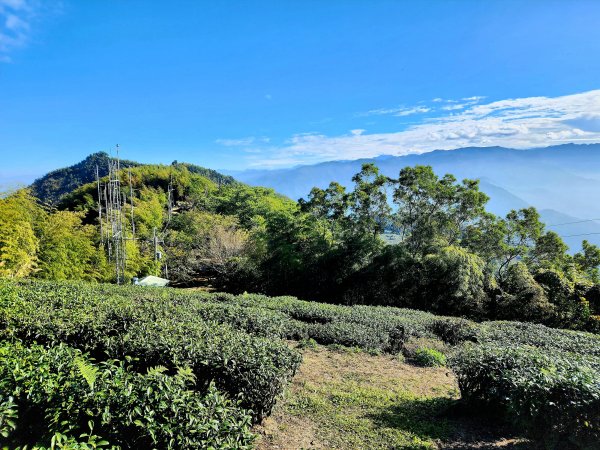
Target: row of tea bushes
(139, 324)
(553, 396)
(58, 395)
(540, 336)
(234, 341)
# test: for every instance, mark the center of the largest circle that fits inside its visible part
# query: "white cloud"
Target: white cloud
(453, 107)
(403, 111)
(400, 111)
(14, 25)
(243, 142)
(516, 123)
(474, 99)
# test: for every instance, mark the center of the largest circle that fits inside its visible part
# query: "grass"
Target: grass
(354, 400)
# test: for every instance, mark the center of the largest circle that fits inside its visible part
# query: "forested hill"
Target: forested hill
(53, 186)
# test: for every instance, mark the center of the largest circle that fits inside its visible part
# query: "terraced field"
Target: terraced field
(127, 367)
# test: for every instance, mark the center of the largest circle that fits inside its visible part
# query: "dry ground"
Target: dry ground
(351, 400)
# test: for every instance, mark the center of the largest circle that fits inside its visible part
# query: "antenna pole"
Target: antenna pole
(99, 205)
(131, 201)
(155, 240)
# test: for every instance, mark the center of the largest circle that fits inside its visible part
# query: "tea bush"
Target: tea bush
(113, 322)
(429, 357)
(540, 377)
(454, 331)
(540, 336)
(59, 392)
(554, 397)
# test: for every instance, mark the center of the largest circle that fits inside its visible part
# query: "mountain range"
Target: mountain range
(562, 182)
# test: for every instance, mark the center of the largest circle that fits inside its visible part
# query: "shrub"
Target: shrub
(454, 331)
(523, 297)
(549, 339)
(115, 322)
(429, 357)
(59, 393)
(554, 397)
(307, 343)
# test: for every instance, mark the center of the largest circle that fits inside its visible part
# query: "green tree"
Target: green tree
(455, 282)
(434, 212)
(19, 244)
(549, 251)
(370, 211)
(588, 261)
(522, 298)
(66, 247)
(522, 230)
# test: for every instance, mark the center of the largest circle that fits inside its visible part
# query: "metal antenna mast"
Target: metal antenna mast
(131, 202)
(112, 223)
(112, 212)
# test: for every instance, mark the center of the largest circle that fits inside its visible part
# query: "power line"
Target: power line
(571, 223)
(582, 234)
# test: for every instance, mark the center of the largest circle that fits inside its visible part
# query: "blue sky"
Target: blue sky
(254, 84)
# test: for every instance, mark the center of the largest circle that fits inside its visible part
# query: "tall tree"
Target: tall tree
(19, 213)
(434, 212)
(66, 247)
(588, 261)
(368, 201)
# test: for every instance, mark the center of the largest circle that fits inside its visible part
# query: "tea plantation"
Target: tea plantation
(101, 366)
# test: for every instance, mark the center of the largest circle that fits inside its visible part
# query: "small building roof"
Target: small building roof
(151, 280)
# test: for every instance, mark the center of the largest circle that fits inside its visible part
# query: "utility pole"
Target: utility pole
(155, 240)
(131, 201)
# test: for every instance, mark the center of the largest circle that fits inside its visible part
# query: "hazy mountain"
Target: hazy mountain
(572, 229)
(562, 181)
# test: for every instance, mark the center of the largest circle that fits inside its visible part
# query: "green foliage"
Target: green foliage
(66, 247)
(555, 397)
(454, 331)
(551, 340)
(432, 211)
(307, 343)
(131, 410)
(456, 282)
(18, 241)
(588, 261)
(88, 371)
(206, 341)
(522, 296)
(53, 186)
(429, 357)
(133, 322)
(450, 255)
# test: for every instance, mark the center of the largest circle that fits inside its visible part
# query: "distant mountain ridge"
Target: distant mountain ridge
(53, 186)
(560, 181)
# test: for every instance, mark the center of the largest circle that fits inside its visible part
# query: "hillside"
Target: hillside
(197, 370)
(561, 178)
(55, 185)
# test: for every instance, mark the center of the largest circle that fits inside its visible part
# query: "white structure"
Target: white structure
(151, 280)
